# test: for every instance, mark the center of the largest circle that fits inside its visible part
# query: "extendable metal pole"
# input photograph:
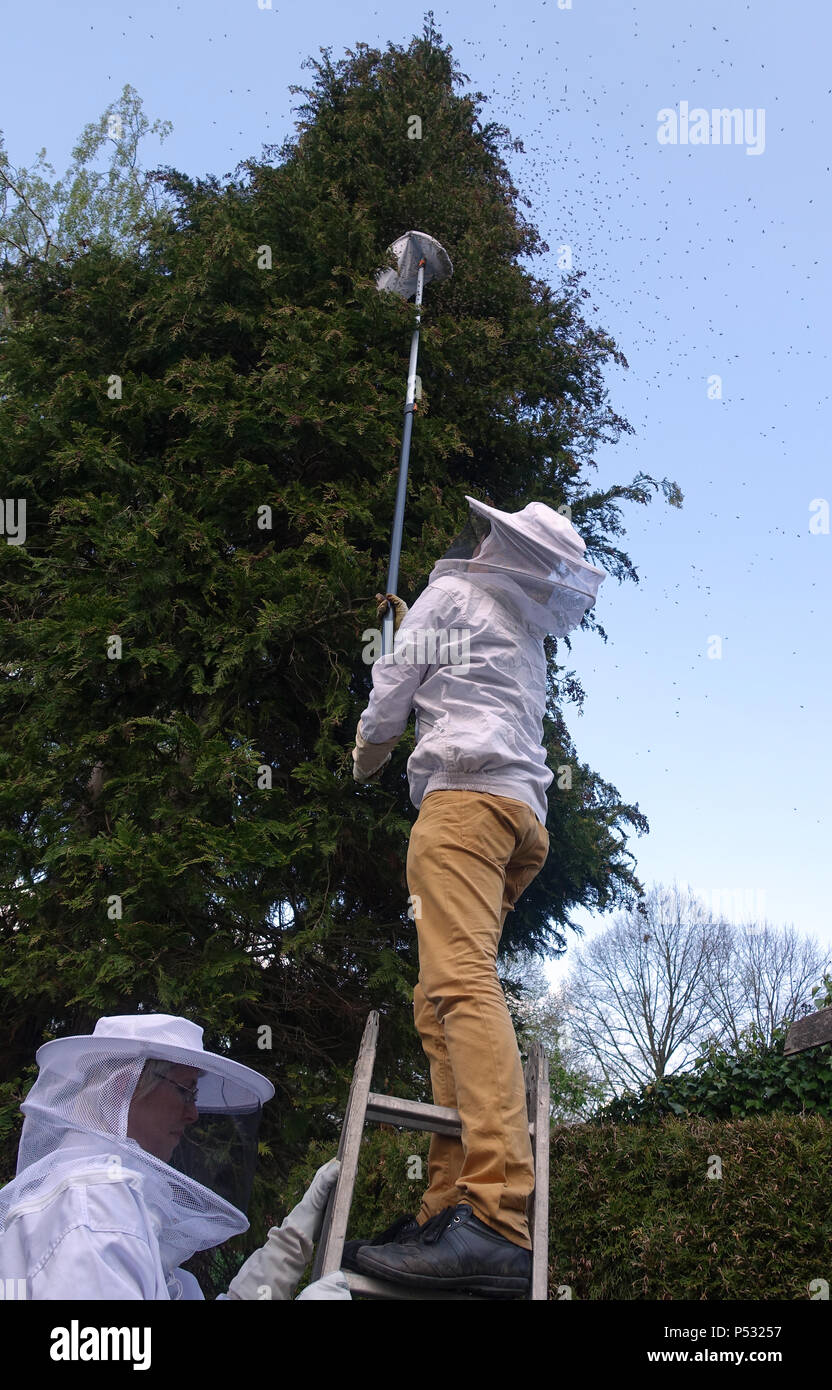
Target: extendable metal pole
(404, 459)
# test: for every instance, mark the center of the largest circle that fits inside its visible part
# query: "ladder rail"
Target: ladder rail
(537, 1101)
(333, 1234)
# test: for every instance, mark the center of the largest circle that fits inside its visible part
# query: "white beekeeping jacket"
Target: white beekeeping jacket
(88, 1233)
(469, 655)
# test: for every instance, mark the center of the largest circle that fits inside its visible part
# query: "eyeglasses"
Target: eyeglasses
(189, 1095)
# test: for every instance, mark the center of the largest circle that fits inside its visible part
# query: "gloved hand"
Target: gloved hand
(369, 758)
(331, 1286)
(308, 1215)
(400, 609)
(274, 1270)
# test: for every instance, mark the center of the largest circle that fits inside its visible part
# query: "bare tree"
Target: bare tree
(540, 1014)
(762, 975)
(638, 997)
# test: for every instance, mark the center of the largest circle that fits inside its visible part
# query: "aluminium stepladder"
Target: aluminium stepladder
(364, 1104)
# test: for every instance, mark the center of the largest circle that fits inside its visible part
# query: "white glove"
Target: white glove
(400, 609)
(369, 758)
(331, 1286)
(308, 1215)
(274, 1270)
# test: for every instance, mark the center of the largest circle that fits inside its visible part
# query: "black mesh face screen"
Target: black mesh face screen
(220, 1152)
(470, 537)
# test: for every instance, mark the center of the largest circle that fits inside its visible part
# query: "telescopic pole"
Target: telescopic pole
(404, 459)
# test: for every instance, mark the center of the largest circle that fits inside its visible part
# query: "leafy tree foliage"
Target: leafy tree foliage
(48, 219)
(205, 430)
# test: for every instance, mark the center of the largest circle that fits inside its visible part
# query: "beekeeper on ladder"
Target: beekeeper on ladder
(138, 1149)
(478, 775)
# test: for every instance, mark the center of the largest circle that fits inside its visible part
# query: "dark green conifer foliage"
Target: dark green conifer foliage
(242, 387)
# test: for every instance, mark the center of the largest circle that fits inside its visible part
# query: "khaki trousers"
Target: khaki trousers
(470, 857)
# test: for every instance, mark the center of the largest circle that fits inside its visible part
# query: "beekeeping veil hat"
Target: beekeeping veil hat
(532, 560)
(77, 1116)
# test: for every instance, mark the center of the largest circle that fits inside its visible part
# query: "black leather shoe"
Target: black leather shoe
(455, 1251)
(404, 1228)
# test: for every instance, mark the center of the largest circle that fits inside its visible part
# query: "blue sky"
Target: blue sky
(703, 261)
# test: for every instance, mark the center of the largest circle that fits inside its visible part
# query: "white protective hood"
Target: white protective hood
(77, 1114)
(533, 560)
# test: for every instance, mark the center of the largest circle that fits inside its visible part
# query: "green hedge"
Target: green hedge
(755, 1078)
(633, 1213)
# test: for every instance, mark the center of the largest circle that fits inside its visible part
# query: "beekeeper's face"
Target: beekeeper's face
(157, 1120)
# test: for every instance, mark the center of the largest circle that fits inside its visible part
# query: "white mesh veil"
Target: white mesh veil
(75, 1128)
(532, 560)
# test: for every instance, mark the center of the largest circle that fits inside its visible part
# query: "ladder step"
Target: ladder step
(379, 1288)
(415, 1114)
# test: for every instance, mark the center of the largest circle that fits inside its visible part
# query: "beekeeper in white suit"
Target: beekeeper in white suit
(138, 1149)
(469, 657)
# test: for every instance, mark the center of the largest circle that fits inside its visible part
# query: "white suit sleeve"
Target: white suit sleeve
(398, 675)
(273, 1271)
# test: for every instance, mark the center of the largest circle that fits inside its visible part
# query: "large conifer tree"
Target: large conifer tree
(206, 436)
